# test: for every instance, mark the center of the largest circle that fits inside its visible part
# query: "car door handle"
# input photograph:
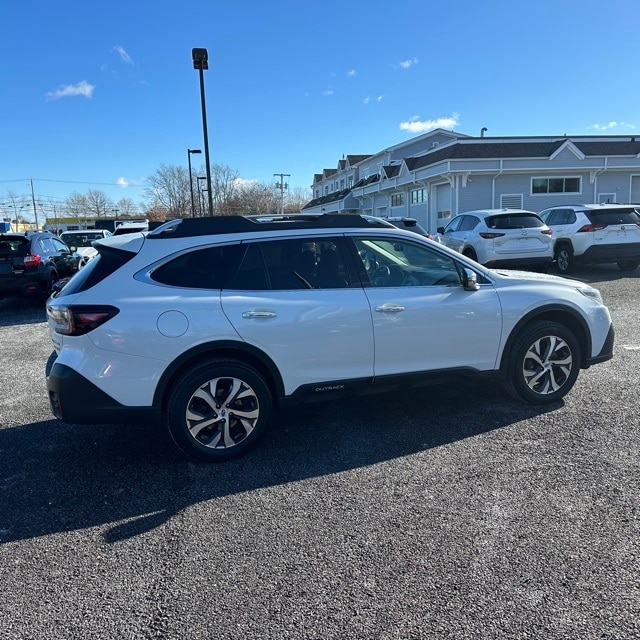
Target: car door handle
(390, 308)
(259, 313)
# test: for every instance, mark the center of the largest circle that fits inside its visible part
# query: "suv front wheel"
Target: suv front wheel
(543, 363)
(219, 410)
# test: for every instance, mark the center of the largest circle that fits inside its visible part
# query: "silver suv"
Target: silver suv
(509, 238)
(594, 233)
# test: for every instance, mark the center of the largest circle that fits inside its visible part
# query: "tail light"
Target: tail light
(79, 320)
(31, 260)
(547, 232)
(591, 227)
(489, 236)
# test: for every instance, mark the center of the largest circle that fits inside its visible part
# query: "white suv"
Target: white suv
(500, 238)
(594, 233)
(209, 324)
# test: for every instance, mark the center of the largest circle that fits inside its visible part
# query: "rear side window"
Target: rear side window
(514, 221)
(104, 264)
(613, 216)
(201, 269)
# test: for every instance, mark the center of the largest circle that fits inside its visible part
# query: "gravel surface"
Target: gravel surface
(453, 512)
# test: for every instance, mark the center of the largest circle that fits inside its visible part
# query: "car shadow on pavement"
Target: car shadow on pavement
(59, 478)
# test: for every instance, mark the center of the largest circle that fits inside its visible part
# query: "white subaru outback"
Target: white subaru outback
(208, 325)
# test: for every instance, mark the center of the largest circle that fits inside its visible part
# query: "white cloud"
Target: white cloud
(369, 99)
(351, 73)
(415, 125)
(611, 125)
(122, 182)
(405, 64)
(124, 56)
(328, 92)
(83, 88)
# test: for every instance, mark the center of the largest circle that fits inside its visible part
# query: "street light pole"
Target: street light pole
(201, 62)
(189, 152)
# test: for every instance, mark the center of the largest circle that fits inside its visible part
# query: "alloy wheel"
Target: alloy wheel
(547, 365)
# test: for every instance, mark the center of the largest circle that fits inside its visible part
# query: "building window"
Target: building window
(365, 173)
(350, 182)
(397, 199)
(326, 190)
(418, 196)
(342, 184)
(555, 185)
(317, 193)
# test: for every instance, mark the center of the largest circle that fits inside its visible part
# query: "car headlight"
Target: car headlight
(590, 292)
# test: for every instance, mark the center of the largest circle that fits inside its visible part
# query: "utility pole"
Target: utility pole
(282, 185)
(33, 199)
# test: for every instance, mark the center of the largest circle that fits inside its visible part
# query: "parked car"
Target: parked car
(410, 224)
(594, 233)
(131, 227)
(80, 242)
(208, 325)
(500, 238)
(31, 263)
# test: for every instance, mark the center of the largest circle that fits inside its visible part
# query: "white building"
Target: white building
(442, 173)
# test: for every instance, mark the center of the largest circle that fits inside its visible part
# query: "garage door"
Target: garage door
(442, 202)
(635, 188)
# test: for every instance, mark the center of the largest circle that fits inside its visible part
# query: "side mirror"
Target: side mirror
(440, 230)
(470, 280)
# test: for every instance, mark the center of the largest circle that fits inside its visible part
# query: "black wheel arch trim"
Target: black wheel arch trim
(555, 312)
(243, 351)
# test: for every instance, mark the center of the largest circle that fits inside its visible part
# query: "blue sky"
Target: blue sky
(98, 95)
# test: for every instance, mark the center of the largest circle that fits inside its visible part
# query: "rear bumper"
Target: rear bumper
(76, 400)
(611, 253)
(520, 263)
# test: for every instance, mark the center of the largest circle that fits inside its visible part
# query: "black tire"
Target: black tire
(542, 364)
(564, 258)
(470, 253)
(628, 265)
(203, 408)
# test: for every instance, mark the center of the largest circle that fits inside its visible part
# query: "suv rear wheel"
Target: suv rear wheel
(219, 410)
(564, 258)
(543, 363)
(628, 265)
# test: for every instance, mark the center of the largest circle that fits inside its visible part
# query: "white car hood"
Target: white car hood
(513, 275)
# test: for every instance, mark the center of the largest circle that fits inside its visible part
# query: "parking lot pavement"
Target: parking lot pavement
(449, 513)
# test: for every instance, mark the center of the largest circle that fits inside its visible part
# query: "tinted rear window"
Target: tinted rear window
(514, 221)
(614, 216)
(104, 264)
(201, 269)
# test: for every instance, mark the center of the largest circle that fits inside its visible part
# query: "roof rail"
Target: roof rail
(190, 227)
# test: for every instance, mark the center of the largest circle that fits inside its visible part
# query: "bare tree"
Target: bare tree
(98, 204)
(168, 188)
(126, 207)
(296, 199)
(76, 205)
(15, 207)
(250, 198)
(224, 182)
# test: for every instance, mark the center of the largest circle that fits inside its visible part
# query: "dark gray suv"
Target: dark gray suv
(30, 263)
